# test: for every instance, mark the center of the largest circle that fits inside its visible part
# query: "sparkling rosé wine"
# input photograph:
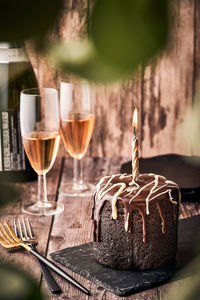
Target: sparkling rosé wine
(41, 148)
(76, 133)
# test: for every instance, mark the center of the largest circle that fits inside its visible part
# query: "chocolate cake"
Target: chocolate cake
(135, 223)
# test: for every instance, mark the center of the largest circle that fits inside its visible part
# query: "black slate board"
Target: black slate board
(184, 170)
(123, 283)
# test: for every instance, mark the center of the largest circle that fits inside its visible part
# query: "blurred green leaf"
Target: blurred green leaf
(23, 19)
(8, 193)
(82, 60)
(17, 285)
(126, 33)
(123, 35)
(188, 130)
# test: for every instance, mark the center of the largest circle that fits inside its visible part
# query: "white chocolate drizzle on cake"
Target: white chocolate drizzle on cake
(133, 195)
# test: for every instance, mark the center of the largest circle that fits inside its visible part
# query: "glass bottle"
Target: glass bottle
(16, 74)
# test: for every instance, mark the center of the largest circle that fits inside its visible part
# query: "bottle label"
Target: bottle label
(12, 155)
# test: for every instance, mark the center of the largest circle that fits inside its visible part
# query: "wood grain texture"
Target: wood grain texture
(168, 84)
(196, 71)
(41, 225)
(162, 91)
(70, 26)
(173, 290)
(196, 76)
(74, 227)
(114, 112)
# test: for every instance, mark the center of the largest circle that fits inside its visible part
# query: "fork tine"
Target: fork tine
(3, 237)
(15, 228)
(4, 242)
(25, 231)
(20, 230)
(5, 234)
(17, 242)
(9, 239)
(30, 228)
(15, 238)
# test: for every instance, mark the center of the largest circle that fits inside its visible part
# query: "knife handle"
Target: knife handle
(50, 280)
(60, 272)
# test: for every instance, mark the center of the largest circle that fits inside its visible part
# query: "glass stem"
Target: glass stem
(42, 189)
(78, 172)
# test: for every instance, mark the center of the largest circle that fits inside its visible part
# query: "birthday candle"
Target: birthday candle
(135, 155)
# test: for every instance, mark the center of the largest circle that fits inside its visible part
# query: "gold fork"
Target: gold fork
(8, 239)
(26, 234)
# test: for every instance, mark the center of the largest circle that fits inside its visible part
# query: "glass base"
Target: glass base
(77, 190)
(43, 209)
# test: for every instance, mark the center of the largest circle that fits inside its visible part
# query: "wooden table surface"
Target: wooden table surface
(74, 227)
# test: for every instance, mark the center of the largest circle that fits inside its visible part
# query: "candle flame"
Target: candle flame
(135, 118)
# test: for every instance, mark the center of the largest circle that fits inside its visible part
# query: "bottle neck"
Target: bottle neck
(11, 45)
(12, 52)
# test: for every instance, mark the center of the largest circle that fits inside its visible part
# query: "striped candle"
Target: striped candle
(135, 154)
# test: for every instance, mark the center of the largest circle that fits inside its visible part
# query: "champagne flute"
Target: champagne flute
(40, 124)
(77, 124)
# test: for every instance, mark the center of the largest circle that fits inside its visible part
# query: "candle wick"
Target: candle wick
(134, 131)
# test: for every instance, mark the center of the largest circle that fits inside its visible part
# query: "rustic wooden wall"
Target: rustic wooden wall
(162, 91)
